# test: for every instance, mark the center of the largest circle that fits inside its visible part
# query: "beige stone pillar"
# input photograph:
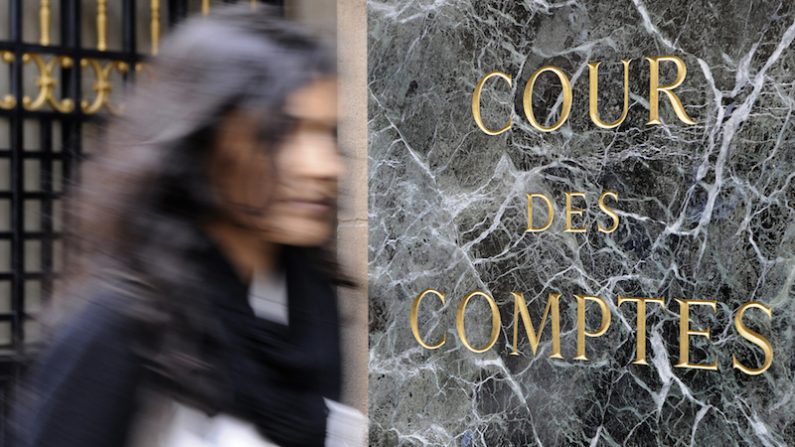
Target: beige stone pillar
(352, 234)
(346, 22)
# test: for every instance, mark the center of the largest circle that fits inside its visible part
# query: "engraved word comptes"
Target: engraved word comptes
(593, 107)
(521, 315)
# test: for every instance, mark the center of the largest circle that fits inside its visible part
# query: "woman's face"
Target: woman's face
(287, 195)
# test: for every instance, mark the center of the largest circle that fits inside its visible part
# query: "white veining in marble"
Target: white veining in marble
(706, 211)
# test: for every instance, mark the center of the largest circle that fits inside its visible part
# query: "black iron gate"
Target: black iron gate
(61, 63)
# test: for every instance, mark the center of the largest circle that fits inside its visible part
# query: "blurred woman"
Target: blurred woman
(199, 305)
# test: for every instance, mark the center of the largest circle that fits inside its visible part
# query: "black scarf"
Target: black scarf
(273, 375)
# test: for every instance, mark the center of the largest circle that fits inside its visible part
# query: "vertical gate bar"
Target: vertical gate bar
(71, 124)
(72, 132)
(128, 28)
(177, 10)
(183, 8)
(76, 40)
(154, 24)
(75, 148)
(102, 25)
(15, 17)
(17, 142)
(128, 38)
(173, 13)
(45, 217)
(67, 21)
(44, 22)
(68, 77)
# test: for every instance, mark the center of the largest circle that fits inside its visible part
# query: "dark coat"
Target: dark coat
(86, 381)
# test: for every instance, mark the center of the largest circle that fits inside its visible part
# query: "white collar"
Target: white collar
(267, 296)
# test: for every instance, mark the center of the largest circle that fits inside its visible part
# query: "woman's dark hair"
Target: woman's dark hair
(132, 218)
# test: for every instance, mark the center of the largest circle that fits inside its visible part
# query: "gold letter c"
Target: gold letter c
(415, 328)
(476, 102)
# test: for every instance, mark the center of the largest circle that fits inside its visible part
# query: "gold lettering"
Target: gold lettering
(640, 351)
(476, 102)
(593, 101)
(495, 321)
(528, 98)
(571, 211)
(685, 332)
(609, 211)
(582, 332)
(550, 212)
(655, 89)
(415, 329)
(754, 337)
(520, 309)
